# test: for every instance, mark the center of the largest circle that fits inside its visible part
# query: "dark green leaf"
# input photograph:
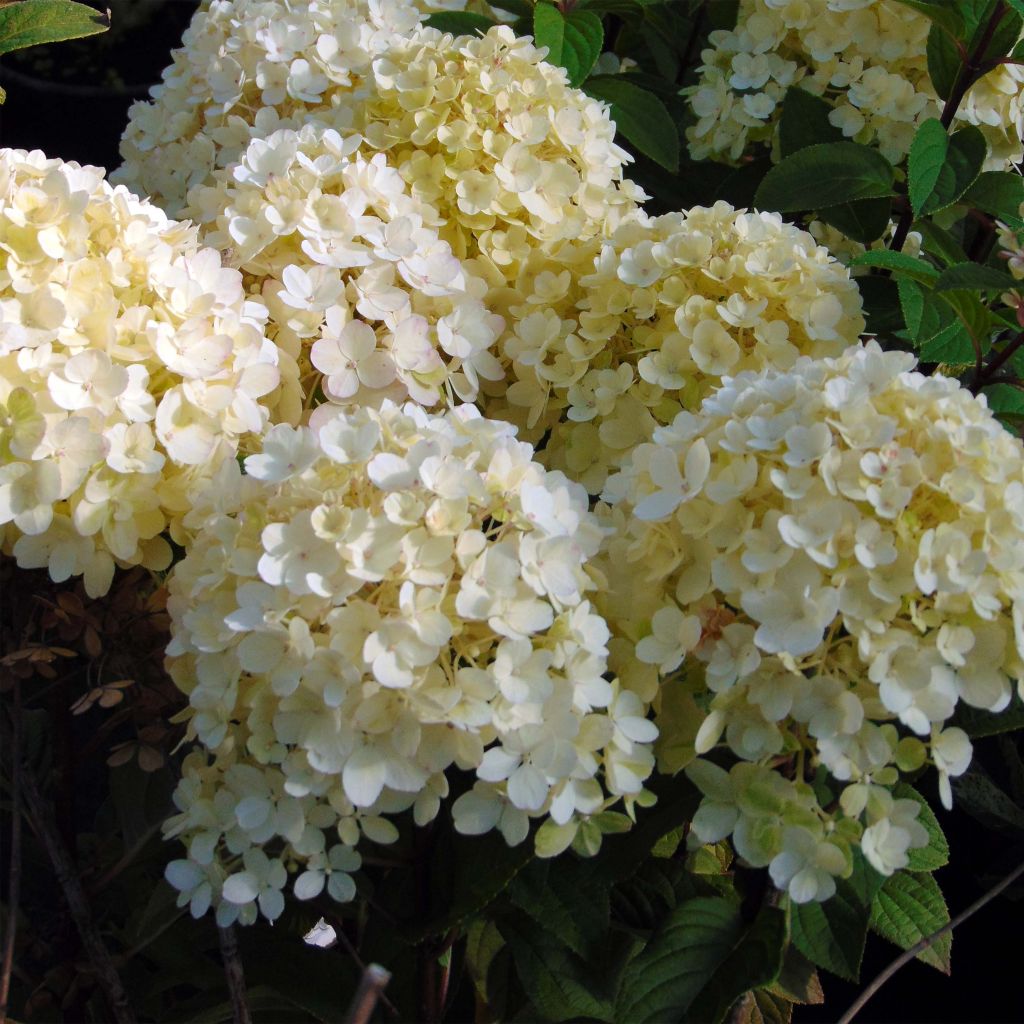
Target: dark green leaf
(754, 961)
(981, 798)
(919, 311)
(626, 9)
(936, 854)
(1000, 194)
(804, 121)
(739, 186)
(952, 345)
(832, 934)
(798, 980)
(686, 955)
(1007, 401)
(964, 160)
(520, 8)
(927, 155)
(939, 242)
(943, 60)
(460, 23)
(549, 31)
(974, 276)
(882, 310)
(908, 908)
(864, 221)
(899, 263)
(1006, 34)
(640, 116)
(977, 723)
(47, 21)
(825, 175)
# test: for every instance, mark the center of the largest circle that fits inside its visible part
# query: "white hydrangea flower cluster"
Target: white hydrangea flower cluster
(867, 57)
(246, 68)
(366, 300)
(130, 364)
(610, 345)
(841, 547)
(372, 603)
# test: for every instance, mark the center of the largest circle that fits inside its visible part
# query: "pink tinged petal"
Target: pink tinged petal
(357, 340)
(377, 370)
(328, 357)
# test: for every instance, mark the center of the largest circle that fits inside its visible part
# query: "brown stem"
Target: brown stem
(234, 974)
(905, 958)
(354, 953)
(64, 872)
(986, 374)
(371, 988)
(14, 869)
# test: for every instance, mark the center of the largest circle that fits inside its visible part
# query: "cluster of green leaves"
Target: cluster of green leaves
(25, 23)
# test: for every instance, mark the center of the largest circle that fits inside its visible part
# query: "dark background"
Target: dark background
(71, 101)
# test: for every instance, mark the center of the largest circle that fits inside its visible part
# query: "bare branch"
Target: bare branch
(371, 987)
(235, 975)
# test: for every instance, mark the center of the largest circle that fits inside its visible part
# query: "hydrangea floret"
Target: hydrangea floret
(839, 548)
(866, 57)
(631, 328)
(131, 363)
(369, 605)
(246, 68)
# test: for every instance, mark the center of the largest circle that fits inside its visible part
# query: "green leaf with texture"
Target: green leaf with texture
(640, 116)
(804, 121)
(974, 276)
(691, 961)
(936, 854)
(32, 22)
(951, 345)
(832, 934)
(999, 194)
(943, 60)
(900, 264)
(978, 723)
(825, 175)
(908, 908)
(964, 159)
(460, 23)
(573, 40)
(939, 242)
(975, 793)
(881, 304)
(927, 157)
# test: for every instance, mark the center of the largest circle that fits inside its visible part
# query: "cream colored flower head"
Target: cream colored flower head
(395, 595)
(840, 548)
(866, 57)
(625, 331)
(246, 68)
(366, 300)
(130, 364)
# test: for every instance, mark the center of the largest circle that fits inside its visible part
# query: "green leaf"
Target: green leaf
(755, 960)
(824, 175)
(977, 723)
(520, 8)
(762, 1007)
(692, 961)
(916, 307)
(573, 40)
(939, 242)
(964, 160)
(899, 263)
(952, 344)
(33, 22)
(974, 276)
(999, 194)
(640, 116)
(936, 854)
(927, 156)
(483, 944)
(832, 934)
(983, 800)
(460, 23)
(804, 121)
(908, 908)
(943, 60)
(881, 304)
(798, 980)
(864, 221)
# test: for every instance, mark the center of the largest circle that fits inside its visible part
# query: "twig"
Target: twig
(371, 988)
(14, 869)
(354, 953)
(985, 375)
(909, 955)
(234, 974)
(99, 956)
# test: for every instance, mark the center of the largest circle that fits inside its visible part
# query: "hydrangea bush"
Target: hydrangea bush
(579, 560)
